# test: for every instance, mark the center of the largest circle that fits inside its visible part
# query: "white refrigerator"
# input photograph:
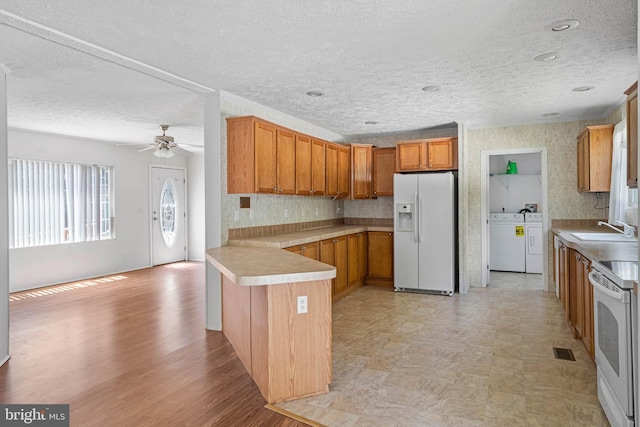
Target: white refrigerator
(424, 238)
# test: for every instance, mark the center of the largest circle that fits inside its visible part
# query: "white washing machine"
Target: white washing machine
(507, 242)
(533, 235)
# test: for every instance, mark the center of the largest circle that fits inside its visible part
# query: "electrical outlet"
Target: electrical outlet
(302, 214)
(251, 214)
(286, 213)
(302, 304)
(237, 215)
(317, 212)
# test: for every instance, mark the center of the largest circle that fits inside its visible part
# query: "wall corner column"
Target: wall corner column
(213, 208)
(4, 222)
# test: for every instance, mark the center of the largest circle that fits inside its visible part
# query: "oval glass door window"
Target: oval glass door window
(168, 213)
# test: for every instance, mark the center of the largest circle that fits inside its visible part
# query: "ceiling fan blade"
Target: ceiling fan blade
(148, 148)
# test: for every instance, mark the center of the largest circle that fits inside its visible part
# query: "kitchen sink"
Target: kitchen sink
(604, 237)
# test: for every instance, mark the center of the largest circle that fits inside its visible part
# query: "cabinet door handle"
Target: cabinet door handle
(275, 189)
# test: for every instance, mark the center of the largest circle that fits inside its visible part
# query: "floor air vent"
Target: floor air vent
(563, 354)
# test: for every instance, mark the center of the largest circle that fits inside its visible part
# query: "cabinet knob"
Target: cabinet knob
(375, 192)
(275, 189)
(390, 234)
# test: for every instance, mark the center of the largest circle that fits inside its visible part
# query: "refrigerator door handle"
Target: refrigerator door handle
(416, 217)
(420, 221)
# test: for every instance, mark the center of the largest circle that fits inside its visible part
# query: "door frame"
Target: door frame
(484, 209)
(149, 214)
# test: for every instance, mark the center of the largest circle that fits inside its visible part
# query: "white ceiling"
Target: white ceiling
(101, 70)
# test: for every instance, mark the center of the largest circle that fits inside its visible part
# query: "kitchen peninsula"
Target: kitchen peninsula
(276, 313)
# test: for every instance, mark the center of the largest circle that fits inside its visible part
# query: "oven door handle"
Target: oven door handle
(619, 296)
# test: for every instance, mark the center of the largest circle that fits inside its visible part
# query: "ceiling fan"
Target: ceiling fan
(162, 144)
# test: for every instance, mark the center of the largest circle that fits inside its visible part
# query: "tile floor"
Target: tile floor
(481, 359)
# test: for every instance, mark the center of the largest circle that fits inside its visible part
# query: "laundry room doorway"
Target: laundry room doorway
(514, 190)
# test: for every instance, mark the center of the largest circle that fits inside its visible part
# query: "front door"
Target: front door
(168, 215)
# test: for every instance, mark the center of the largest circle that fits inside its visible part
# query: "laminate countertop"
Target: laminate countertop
(597, 250)
(285, 240)
(256, 266)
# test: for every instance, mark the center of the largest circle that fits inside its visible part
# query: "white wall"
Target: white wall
(195, 200)
(45, 265)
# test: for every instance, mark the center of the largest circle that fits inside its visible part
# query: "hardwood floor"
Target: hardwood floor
(130, 350)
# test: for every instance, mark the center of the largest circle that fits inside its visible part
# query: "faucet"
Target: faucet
(629, 231)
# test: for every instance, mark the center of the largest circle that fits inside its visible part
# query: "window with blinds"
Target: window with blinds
(52, 203)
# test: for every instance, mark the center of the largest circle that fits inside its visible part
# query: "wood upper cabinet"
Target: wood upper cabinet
(304, 171)
(260, 157)
(361, 171)
(318, 168)
(286, 162)
(632, 135)
(411, 156)
(427, 155)
(356, 258)
(334, 252)
(266, 143)
(383, 168)
(380, 252)
(595, 146)
(337, 170)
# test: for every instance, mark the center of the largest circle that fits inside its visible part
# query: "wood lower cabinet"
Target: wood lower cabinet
(632, 135)
(576, 295)
(380, 252)
(427, 155)
(309, 250)
(357, 259)
(595, 147)
(563, 286)
(334, 252)
(383, 168)
(588, 338)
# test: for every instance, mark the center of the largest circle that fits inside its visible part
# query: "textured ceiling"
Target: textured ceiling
(97, 69)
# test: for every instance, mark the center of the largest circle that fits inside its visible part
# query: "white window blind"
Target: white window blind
(52, 203)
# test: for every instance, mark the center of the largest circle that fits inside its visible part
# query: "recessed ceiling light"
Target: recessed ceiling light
(371, 122)
(550, 114)
(582, 88)
(315, 93)
(431, 88)
(565, 24)
(546, 57)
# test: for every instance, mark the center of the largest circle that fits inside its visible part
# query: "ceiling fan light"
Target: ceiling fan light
(163, 153)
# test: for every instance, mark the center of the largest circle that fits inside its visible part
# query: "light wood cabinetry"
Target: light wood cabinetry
(427, 155)
(337, 170)
(595, 145)
(360, 171)
(286, 162)
(576, 295)
(380, 253)
(309, 250)
(334, 252)
(563, 286)
(263, 157)
(632, 135)
(588, 338)
(318, 168)
(304, 171)
(357, 259)
(384, 166)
